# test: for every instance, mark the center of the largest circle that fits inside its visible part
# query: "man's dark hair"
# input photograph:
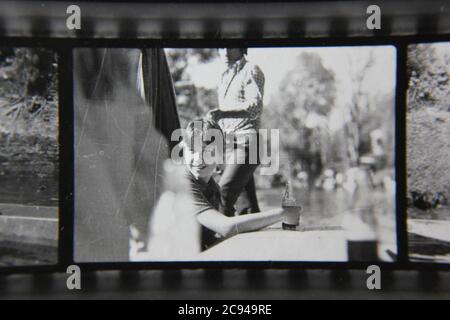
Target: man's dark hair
(244, 50)
(197, 129)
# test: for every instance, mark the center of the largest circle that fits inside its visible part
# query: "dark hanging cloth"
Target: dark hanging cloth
(119, 153)
(160, 92)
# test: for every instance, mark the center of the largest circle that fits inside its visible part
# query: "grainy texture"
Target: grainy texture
(429, 150)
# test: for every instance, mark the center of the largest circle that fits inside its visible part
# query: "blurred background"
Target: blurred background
(335, 109)
(28, 155)
(428, 124)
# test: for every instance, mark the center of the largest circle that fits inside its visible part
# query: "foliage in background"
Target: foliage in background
(428, 126)
(29, 150)
(428, 152)
(303, 109)
(193, 102)
(308, 89)
(307, 106)
(428, 76)
(28, 92)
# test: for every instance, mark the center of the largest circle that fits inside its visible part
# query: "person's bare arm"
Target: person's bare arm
(229, 226)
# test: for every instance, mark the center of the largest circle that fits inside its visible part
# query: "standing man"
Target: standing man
(241, 91)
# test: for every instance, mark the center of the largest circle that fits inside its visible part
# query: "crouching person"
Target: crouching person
(209, 210)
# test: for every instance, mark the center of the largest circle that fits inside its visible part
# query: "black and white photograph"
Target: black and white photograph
(428, 150)
(29, 157)
(235, 154)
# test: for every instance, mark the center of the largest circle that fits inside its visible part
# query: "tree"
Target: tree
(192, 102)
(28, 71)
(29, 87)
(307, 95)
(428, 75)
(359, 67)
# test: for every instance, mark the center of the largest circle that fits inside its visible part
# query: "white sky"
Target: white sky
(277, 62)
(442, 50)
(442, 47)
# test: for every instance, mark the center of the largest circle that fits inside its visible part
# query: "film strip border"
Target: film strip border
(222, 20)
(42, 31)
(227, 284)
